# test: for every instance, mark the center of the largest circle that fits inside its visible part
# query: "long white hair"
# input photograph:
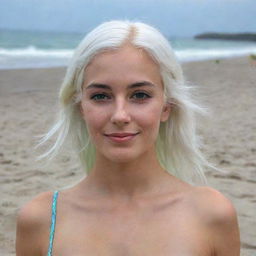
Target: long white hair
(177, 144)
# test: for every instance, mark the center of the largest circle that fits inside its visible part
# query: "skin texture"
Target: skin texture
(128, 205)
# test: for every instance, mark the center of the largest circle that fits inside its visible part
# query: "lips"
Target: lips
(121, 135)
(122, 138)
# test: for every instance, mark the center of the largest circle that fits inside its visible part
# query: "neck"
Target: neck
(141, 176)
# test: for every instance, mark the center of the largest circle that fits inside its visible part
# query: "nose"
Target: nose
(120, 114)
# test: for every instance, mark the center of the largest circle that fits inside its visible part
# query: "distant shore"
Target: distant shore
(228, 36)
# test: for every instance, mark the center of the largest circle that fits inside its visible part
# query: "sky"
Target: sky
(180, 18)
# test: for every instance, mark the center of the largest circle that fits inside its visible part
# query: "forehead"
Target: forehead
(125, 64)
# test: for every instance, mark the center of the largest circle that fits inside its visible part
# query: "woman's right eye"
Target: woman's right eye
(98, 96)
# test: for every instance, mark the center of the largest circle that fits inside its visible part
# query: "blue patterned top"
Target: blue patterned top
(53, 221)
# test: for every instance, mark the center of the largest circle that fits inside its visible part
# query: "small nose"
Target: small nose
(120, 114)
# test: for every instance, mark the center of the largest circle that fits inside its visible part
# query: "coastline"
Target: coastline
(27, 97)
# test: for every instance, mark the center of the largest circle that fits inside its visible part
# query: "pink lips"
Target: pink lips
(123, 134)
(121, 137)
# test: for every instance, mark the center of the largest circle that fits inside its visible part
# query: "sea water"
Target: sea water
(37, 49)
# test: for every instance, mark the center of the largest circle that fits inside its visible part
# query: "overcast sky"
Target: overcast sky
(173, 17)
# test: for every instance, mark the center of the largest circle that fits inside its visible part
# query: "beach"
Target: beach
(28, 98)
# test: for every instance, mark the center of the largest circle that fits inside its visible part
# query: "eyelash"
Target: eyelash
(93, 96)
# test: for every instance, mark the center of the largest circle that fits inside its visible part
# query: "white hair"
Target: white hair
(177, 144)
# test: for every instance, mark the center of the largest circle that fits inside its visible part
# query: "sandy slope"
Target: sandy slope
(27, 104)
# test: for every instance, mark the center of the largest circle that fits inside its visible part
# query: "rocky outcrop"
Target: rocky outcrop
(228, 36)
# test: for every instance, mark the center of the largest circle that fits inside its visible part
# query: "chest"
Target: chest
(162, 233)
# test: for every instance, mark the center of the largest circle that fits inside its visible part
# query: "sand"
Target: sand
(28, 100)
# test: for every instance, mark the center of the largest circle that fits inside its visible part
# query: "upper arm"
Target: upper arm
(221, 220)
(32, 222)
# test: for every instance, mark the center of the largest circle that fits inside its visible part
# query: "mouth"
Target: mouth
(122, 138)
(121, 135)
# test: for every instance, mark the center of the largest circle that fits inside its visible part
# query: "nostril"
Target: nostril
(121, 117)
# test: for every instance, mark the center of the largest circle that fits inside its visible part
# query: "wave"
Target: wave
(32, 51)
(187, 55)
(33, 57)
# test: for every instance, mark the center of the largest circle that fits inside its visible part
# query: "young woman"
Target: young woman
(129, 113)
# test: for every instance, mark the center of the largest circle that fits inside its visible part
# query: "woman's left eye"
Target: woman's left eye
(142, 94)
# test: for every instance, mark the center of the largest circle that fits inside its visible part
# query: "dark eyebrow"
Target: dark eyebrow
(105, 86)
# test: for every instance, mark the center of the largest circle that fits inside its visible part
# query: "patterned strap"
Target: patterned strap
(53, 220)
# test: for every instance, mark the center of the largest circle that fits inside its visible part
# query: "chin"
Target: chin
(122, 157)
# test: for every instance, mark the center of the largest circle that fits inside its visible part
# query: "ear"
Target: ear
(165, 112)
(81, 109)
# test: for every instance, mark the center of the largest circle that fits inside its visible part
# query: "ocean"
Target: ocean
(37, 49)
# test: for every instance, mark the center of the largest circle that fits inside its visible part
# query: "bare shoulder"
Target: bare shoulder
(213, 204)
(219, 217)
(36, 208)
(33, 222)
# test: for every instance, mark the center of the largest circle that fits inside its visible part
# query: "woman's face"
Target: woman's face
(123, 93)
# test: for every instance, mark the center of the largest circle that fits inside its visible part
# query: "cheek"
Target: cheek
(93, 117)
(148, 117)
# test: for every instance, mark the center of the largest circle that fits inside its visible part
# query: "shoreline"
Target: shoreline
(184, 61)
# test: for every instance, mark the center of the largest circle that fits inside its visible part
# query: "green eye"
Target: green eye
(142, 94)
(96, 97)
